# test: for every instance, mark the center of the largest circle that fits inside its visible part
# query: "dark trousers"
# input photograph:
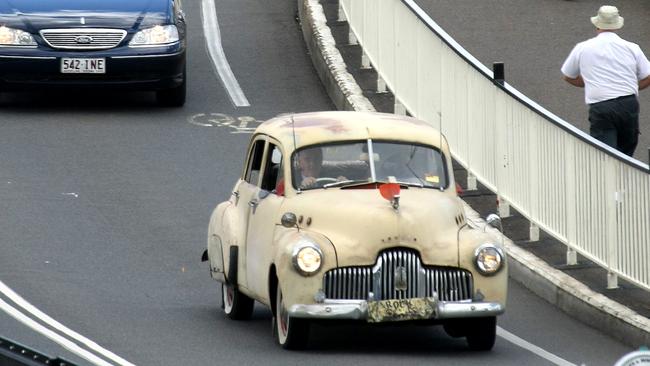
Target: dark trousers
(616, 123)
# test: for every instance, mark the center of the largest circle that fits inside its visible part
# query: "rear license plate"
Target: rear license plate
(402, 309)
(83, 65)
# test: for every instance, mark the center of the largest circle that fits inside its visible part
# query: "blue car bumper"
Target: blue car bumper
(154, 68)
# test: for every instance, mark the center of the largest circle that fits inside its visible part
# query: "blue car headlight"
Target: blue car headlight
(15, 37)
(155, 36)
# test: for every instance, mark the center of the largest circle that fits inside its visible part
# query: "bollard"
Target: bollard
(498, 71)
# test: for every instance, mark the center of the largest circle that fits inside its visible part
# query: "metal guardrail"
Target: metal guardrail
(587, 195)
(15, 354)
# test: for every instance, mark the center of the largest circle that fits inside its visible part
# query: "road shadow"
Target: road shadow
(65, 100)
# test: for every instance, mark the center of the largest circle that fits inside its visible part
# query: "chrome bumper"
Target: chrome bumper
(358, 310)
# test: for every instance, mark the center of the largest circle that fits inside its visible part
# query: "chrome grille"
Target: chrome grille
(83, 38)
(398, 274)
(348, 283)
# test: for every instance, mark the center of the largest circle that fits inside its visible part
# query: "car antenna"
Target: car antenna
(440, 137)
(293, 130)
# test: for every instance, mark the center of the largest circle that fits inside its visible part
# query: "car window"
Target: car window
(409, 163)
(316, 166)
(273, 169)
(255, 162)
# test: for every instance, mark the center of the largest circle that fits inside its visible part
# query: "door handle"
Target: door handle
(253, 203)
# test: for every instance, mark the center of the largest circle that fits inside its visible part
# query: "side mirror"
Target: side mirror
(289, 220)
(495, 221)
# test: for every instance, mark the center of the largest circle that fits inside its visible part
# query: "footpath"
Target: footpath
(579, 290)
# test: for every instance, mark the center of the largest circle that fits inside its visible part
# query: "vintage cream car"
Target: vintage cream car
(347, 215)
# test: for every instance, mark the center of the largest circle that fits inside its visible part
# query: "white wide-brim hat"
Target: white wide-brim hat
(608, 18)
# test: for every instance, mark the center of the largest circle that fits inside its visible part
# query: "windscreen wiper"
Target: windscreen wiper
(347, 182)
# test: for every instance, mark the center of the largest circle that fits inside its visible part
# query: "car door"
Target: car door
(246, 192)
(263, 218)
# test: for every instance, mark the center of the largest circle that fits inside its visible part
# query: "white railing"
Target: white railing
(585, 194)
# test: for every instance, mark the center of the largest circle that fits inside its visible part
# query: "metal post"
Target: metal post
(381, 84)
(571, 257)
(498, 70)
(352, 38)
(471, 182)
(341, 15)
(612, 281)
(400, 109)
(533, 232)
(365, 60)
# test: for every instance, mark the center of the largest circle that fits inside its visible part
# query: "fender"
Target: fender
(214, 254)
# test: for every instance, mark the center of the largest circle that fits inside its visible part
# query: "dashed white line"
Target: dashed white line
(217, 55)
(18, 300)
(532, 348)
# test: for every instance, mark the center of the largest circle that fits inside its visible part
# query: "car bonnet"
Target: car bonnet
(360, 223)
(34, 15)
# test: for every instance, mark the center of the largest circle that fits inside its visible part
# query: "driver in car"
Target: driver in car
(310, 162)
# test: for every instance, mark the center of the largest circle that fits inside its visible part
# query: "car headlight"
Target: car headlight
(488, 259)
(156, 36)
(15, 37)
(307, 258)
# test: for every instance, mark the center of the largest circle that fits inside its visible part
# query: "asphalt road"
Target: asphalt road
(533, 38)
(104, 204)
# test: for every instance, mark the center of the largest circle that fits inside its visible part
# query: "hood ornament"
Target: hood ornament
(390, 192)
(82, 21)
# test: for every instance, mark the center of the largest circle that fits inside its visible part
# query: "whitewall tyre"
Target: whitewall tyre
(236, 305)
(290, 333)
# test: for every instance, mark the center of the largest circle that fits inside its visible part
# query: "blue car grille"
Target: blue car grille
(83, 38)
(398, 274)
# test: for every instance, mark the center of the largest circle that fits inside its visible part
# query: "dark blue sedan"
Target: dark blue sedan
(125, 44)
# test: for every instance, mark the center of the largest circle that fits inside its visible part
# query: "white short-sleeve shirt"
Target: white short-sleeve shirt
(610, 66)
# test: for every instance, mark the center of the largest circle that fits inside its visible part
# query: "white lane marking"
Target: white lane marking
(70, 346)
(13, 296)
(218, 57)
(532, 348)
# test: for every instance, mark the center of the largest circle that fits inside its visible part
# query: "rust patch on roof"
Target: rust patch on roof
(330, 124)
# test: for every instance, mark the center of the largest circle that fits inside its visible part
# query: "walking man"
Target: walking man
(612, 71)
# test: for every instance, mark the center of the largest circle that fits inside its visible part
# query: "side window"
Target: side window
(255, 162)
(273, 171)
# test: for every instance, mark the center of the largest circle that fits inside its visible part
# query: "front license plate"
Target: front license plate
(83, 65)
(402, 309)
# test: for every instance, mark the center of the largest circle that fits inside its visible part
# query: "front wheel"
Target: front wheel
(173, 97)
(291, 333)
(481, 333)
(236, 305)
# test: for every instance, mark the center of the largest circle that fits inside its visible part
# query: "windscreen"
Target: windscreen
(340, 164)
